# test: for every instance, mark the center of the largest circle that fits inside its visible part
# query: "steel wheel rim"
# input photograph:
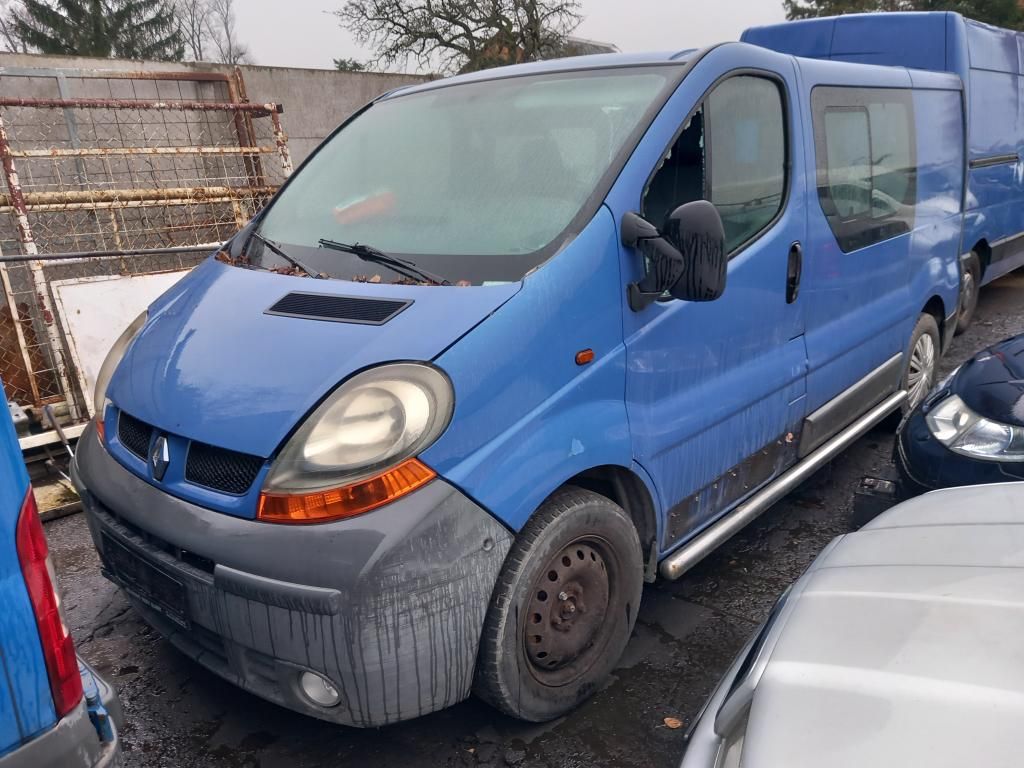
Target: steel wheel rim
(565, 625)
(921, 371)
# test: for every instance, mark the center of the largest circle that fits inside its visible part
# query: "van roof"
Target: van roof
(569, 64)
(937, 40)
(859, 36)
(818, 70)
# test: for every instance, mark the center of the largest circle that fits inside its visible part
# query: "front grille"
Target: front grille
(221, 470)
(134, 434)
(338, 309)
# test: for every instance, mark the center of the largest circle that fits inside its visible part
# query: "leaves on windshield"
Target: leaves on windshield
(403, 281)
(235, 261)
(292, 270)
(243, 261)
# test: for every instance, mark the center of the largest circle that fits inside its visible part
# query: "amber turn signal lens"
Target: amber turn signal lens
(584, 356)
(351, 500)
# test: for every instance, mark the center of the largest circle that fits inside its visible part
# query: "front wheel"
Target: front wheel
(563, 609)
(970, 283)
(919, 375)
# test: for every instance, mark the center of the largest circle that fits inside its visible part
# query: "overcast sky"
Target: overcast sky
(302, 33)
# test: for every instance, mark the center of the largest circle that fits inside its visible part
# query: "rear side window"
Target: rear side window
(866, 162)
(732, 152)
(848, 162)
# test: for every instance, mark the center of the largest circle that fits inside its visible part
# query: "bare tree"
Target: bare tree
(209, 31)
(460, 35)
(224, 35)
(193, 18)
(9, 39)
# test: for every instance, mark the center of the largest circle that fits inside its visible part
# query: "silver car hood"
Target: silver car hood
(904, 645)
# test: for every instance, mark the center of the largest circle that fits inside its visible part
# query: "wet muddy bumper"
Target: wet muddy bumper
(388, 606)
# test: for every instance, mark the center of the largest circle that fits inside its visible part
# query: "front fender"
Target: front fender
(528, 416)
(568, 434)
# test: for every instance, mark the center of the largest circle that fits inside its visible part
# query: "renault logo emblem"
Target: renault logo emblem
(159, 458)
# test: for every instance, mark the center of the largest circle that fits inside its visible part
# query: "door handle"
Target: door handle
(794, 269)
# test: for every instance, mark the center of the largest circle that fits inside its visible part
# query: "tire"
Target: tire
(552, 636)
(970, 284)
(919, 374)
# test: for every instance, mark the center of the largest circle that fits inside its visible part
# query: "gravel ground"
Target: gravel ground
(180, 715)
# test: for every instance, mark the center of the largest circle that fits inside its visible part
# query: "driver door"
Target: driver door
(715, 391)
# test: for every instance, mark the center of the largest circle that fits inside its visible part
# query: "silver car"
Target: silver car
(902, 645)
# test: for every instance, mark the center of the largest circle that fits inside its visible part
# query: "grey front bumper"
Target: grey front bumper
(389, 606)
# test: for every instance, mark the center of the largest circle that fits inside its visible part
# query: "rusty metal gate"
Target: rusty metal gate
(116, 173)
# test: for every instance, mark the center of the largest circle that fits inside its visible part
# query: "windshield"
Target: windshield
(470, 181)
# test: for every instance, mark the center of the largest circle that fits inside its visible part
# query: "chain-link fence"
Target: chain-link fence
(145, 174)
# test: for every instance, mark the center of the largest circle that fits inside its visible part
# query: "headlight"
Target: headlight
(357, 450)
(963, 431)
(112, 360)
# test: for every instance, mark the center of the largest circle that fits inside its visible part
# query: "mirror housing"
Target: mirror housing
(697, 232)
(687, 260)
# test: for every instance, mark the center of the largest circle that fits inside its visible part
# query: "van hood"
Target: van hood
(212, 365)
(904, 645)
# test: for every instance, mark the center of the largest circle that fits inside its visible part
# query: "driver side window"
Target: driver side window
(731, 151)
(680, 177)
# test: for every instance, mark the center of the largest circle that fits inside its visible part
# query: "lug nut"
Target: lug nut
(563, 596)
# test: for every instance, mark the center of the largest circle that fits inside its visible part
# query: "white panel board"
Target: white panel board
(94, 311)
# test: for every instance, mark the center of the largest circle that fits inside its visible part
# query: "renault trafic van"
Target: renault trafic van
(510, 344)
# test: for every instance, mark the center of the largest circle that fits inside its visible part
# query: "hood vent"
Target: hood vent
(338, 309)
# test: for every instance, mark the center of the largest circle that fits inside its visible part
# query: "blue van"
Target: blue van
(505, 347)
(55, 711)
(989, 62)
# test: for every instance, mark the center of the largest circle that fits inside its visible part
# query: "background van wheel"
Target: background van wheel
(970, 284)
(919, 374)
(563, 609)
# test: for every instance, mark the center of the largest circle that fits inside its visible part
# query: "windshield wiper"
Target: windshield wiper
(371, 254)
(276, 249)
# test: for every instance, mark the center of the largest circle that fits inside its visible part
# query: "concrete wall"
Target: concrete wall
(315, 100)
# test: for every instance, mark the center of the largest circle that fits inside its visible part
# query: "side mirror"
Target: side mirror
(688, 259)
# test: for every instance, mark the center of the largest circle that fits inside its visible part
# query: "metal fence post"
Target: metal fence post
(281, 139)
(36, 268)
(19, 331)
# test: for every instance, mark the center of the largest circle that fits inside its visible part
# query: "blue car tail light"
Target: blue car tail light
(41, 582)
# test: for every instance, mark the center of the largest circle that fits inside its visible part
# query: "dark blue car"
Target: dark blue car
(54, 709)
(970, 429)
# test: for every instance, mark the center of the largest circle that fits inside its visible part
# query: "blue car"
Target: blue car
(509, 345)
(55, 711)
(988, 62)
